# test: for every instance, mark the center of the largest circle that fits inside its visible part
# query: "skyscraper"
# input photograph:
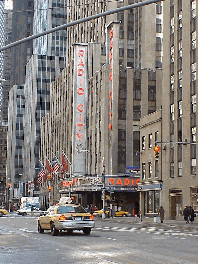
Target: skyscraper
(2, 40)
(7, 61)
(40, 69)
(22, 26)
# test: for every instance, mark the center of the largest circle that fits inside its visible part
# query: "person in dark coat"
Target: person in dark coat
(186, 214)
(161, 212)
(192, 212)
(32, 210)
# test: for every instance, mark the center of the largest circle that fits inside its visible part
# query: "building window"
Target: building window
(193, 40)
(149, 170)
(179, 169)
(151, 93)
(156, 138)
(193, 134)
(172, 54)
(180, 49)
(172, 25)
(136, 112)
(156, 169)
(172, 114)
(152, 201)
(143, 142)
(143, 171)
(180, 109)
(150, 141)
(172, 169)
(137, 90)
(172, 80)
(158, 44)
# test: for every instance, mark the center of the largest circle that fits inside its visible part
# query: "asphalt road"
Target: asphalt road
(110, 242)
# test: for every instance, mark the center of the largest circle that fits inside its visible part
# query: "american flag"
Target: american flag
(41, 173)
(55, 165)
(39, 180)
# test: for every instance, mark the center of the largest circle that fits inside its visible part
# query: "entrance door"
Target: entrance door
(175, 201)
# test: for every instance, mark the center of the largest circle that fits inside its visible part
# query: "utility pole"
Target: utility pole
(103, 191)
(70, 24)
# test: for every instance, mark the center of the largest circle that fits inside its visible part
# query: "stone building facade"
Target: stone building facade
(15, 142)
(179, 106)
(138, 92)
(151, 181)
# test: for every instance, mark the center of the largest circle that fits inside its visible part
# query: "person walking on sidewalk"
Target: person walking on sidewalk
(192, 214)
(161, 212)
(32, 210)
(186, 214)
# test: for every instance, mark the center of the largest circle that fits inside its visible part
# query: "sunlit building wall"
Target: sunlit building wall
(2, 40)
(179, 116)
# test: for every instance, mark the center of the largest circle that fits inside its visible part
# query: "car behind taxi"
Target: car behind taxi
(3, 211)
(120, 213)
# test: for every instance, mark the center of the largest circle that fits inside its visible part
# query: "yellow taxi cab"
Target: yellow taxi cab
(107, 212)
(66, 216)
(3, 211)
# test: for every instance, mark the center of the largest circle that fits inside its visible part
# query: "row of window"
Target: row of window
(150, 137)
(148, 170)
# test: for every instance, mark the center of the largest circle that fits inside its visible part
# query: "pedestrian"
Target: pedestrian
(87, 208)
(161, 212)
(186, 214)
(32, 210)
(192, 214)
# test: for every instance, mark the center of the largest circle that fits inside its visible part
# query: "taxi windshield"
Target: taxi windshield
(70, 209)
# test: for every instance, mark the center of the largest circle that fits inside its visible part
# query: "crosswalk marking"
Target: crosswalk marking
(154, 231)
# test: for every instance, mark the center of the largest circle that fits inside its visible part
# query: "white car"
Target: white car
(27, 211)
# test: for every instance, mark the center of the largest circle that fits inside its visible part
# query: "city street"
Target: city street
(120, 240)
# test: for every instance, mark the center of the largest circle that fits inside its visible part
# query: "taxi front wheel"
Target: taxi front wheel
(54, 231)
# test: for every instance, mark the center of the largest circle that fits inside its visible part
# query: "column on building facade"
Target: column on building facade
(144, 93)
(129, 117)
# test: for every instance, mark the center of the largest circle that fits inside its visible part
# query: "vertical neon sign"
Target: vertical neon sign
(79, 109)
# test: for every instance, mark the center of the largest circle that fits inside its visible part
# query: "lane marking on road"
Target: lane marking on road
(25, 235)
(123, 229)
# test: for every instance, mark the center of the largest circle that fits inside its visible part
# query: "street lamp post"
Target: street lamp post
(9, 187)
(103, 191)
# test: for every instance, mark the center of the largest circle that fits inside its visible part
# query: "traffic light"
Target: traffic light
(49, 188)
(156, 149)
(9, 184)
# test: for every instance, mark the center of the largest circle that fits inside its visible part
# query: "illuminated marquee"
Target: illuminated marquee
(122, 181)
